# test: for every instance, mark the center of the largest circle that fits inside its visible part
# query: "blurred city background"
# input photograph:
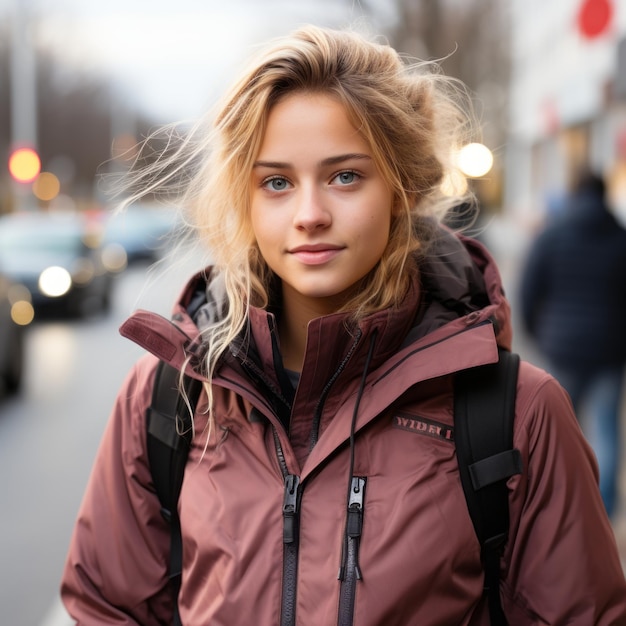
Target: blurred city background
(81, 82)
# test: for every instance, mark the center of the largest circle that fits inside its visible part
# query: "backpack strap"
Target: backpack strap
(167, 454)
(484, 410)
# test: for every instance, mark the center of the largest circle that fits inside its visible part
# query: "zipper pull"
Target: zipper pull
(290, 507)
(354, 525)
(355, 507)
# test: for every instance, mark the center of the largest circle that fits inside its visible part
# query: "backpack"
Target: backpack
(484, 410)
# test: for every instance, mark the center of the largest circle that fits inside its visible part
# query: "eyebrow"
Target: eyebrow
(334, 160)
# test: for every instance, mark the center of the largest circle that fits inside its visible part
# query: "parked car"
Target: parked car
(14, 317)
(144, 231)
(59, 259)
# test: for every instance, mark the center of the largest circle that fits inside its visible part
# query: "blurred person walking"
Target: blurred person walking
(573, 304)
(322, 484)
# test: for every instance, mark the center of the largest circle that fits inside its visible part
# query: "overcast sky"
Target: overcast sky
(175, 57)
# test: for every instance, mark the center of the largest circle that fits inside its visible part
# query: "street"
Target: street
(49, 435)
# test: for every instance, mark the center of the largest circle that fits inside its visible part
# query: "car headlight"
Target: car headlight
(55, 281)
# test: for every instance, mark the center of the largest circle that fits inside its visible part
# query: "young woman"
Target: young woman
(335, 313)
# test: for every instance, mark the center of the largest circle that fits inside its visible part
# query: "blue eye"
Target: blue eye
(346, 178)
(276, 184)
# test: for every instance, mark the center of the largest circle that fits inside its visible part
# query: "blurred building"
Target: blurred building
(567, 102)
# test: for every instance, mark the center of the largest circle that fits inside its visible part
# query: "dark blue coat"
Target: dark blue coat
(573, 287)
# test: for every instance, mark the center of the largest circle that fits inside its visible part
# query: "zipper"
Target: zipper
(317, 415)
(291, 503)
(292, 495)
(350, 571)
(280, 453)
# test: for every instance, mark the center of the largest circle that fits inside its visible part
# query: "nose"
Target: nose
(311, 212)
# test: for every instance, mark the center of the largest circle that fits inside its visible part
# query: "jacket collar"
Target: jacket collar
(458, 279)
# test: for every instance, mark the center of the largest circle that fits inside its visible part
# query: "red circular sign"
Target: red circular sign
(594, 17)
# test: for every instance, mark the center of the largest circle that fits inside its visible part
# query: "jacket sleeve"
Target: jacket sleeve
(116, 568)
(562, 563)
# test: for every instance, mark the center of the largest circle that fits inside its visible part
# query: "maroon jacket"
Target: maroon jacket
(416, 549)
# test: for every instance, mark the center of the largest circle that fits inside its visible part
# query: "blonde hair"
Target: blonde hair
(411, 116)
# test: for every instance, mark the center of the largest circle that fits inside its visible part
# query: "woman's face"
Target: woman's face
(320, 208)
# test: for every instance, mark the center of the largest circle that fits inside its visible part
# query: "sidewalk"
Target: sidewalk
(508, 245)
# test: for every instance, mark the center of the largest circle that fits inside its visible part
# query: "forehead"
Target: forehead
(319, 121)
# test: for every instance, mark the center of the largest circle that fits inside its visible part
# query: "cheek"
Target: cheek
(257, 222)
(380, 232)
(265, 236)
(380, 222)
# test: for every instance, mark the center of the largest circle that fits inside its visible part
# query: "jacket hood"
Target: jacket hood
(460, 278)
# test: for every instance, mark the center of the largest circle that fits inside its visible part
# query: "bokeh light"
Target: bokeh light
(24, 165)
(22, 313)
(55, 281)
(83, 271)
(475, 160)
(114, 257)
(46, 186)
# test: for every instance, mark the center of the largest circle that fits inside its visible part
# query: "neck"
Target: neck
(297, 311)
(292, 344)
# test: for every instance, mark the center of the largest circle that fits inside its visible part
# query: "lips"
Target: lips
(316, 254)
